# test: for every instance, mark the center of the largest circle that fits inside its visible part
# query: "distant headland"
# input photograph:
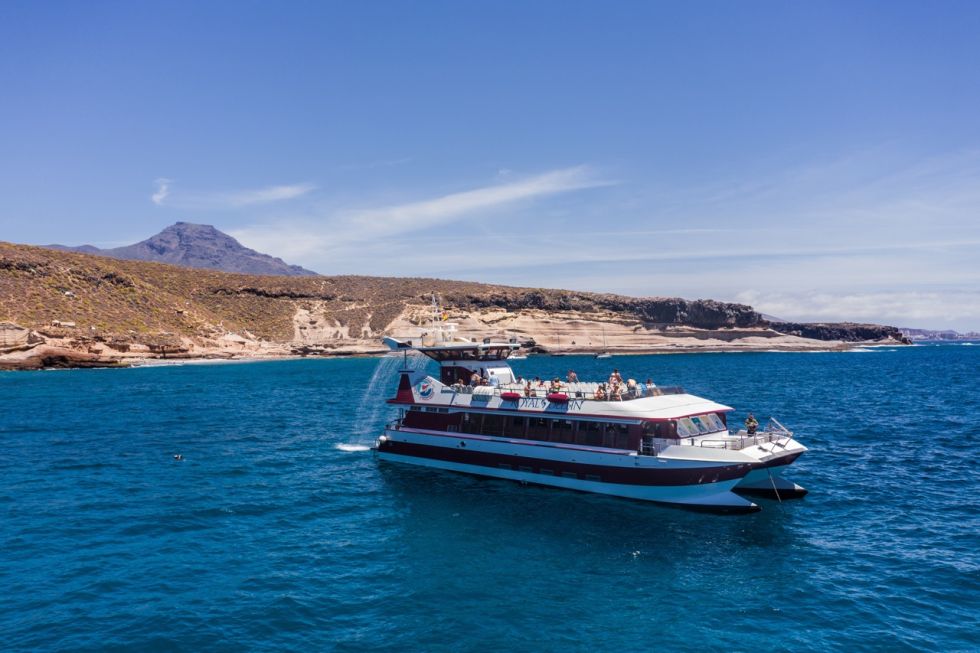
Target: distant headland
(83, 307)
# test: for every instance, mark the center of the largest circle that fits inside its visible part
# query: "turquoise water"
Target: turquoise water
(272, 534)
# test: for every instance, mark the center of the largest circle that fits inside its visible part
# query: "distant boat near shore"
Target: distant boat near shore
(604, 353)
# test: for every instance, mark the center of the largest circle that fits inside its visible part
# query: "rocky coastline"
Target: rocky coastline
(74, 310)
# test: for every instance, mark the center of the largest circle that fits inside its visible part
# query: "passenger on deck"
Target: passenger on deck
(528, 392)
(751, 424)
(494, 381)
(615, 377)
(572, 376)
(631, 389)
(556, 385)
(539, 382)
(600, 392)
(616, 394)
(475, 379)
(652, 389)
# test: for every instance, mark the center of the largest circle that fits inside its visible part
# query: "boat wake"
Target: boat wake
(349, 447)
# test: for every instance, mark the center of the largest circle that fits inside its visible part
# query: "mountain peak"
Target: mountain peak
(199, 246)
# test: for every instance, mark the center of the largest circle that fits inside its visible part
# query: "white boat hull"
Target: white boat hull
(714, 495)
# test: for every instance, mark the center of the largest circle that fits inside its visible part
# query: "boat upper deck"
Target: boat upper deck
(577, 390)
(575, 399)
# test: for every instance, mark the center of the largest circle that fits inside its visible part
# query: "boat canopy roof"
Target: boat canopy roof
(663, 407)
(458, 351)
(451, 353)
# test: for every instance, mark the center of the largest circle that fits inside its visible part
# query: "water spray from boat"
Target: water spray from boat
(372, 413)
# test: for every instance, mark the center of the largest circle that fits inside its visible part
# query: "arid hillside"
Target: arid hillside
(117, 308)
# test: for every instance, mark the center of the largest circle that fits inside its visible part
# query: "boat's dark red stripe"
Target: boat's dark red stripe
(604, 473)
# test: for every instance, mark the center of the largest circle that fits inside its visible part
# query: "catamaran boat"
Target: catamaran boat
(660, 444)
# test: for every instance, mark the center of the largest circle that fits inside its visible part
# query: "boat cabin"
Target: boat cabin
(458, 362)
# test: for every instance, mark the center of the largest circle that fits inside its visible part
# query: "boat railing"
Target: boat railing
(733, 444)
(573, 391)
(651, 448)
(773, 432)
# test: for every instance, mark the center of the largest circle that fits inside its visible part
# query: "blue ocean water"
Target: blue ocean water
(274, 534)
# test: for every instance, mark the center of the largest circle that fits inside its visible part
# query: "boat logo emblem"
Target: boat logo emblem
(425, 389)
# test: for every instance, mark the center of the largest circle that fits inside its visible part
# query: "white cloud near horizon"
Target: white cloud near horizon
(958, 308)
(876, 235)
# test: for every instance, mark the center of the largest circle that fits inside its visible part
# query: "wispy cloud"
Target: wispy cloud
(167, 194)
(239, 198)
(340, 231)
(163, 189)
(426, 213)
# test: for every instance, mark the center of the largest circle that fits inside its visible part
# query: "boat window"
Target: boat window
(492, 425)
(537, 428)
(686, 428)
(566, 430)
(590, 433)
(471, 423)
(655, 429)
(714, 422)
(701, 423)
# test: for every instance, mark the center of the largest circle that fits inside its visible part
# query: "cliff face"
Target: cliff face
(701, 313)
(843, 331)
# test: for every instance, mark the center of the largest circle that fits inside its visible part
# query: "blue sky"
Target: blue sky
(820, 161)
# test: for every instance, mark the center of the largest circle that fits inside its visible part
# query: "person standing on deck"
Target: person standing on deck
(751, 424)
(652, 389)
